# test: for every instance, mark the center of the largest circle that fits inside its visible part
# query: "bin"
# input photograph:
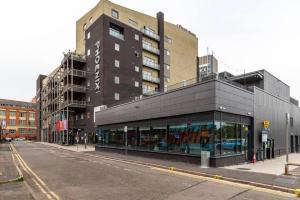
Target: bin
(205, 155)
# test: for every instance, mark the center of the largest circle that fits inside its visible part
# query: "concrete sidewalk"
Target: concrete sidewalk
(8, 170)
(273, 166)
(81, 147)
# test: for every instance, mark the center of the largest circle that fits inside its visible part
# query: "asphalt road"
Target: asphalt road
(52, 173)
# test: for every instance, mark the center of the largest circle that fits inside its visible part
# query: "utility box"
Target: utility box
(205, 156)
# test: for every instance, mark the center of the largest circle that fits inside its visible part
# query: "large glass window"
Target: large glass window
(217, 142)
(145, 139)
(201, 137)
(178, 138)
(2, 112)
(159, 138)
(230, 141)
(116, 137)
(132, 137)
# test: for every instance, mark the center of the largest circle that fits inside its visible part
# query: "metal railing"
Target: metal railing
(151, 64)
(150, 48)
(151, 34)
(151, 79)
(116, 34)
(75, 88)
(75, 72)
(74, 103)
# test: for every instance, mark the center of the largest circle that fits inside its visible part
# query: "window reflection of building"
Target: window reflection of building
(177, 138)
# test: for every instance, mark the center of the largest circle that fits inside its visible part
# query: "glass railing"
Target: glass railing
(76, 88)
(151, 34)
(151, 79)
(76, 72)
(151, 64)
(116, 34)
(150, 48)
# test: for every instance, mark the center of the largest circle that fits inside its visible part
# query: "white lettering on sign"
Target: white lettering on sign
(97, 67)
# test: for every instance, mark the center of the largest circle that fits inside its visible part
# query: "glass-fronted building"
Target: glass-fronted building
(220, 116)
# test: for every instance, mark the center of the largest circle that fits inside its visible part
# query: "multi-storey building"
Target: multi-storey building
(120, 55)
(208, 65)
(18, 119)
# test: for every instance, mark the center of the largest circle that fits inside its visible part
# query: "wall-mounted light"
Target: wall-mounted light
(222, 108)
(249, 113)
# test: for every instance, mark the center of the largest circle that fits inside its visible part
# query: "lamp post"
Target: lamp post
(287, 143)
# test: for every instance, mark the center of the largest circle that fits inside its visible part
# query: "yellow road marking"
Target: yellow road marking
(284, 194)
(39, 182)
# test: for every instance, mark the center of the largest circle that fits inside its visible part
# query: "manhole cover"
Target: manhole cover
(243, 168)
(285, 180)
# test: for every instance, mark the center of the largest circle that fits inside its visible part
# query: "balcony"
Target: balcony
(149, 92)
(150, 34)
(151, 49)
(151, 79)
(151, 64)
(74, 103)
(116, 34)
(75, 88)
(75, 72)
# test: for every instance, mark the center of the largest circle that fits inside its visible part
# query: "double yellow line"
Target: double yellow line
(36, 179)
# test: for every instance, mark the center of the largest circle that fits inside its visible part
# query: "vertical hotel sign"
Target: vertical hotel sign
(97, 66)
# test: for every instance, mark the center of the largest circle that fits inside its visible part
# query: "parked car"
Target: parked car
(8, 139)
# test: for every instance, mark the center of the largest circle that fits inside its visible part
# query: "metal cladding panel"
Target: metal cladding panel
(274, 109)
(234, 99)
(193, 99)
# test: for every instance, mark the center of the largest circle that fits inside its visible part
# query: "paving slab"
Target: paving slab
(8, 170)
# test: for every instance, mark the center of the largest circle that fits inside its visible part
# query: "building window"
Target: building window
(115, 14)
(88, 52)
(88, 115)
(22, 130)
(88, 68)
(22, 123)
(137, 54)
(88, 83)
(12, 131)
(136, 84)
(88, 99)
(117, 63)
(12, 122)
(12, 113)
(167, 67)
(117, 80)
(132, 22)
(168, 39)
(137, 69)
(2, 112)
(76, 117)
(167, 52)
(84, 27)
(22, 114)
(31, 115)
(91, 20)
(31, 123)
(88, 35)
(117, 47)
(82, 116)
(117, 96)
(136, 37)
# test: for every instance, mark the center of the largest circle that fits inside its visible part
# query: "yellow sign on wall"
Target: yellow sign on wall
(266, 124)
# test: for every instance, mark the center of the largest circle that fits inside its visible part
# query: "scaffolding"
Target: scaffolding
(63, 95)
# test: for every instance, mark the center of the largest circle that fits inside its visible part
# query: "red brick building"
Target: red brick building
(18, 119)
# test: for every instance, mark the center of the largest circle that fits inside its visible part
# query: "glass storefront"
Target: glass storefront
(187, 136)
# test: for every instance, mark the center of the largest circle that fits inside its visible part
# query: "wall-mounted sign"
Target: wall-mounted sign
(264, 137)
(266, 124)
(97, 66)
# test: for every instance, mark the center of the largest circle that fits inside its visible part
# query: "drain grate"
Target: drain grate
(244, 169)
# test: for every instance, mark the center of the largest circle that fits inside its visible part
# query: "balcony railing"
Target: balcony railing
(74, 103)
(75, 72)
(150, 34)
(151, 64)
(75, 88)
(150, 48)
(116, 34)
(151, 79)
(149, 92)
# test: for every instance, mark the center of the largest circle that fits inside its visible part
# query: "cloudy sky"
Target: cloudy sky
(244, 35)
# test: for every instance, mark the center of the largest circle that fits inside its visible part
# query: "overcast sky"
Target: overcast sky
(244, 34)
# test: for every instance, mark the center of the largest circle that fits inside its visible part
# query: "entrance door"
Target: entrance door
(297, 143)
(246, 142)
(292, 144)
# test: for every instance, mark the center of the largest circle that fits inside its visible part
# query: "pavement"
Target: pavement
(273, 166)
(56, 173)
(75, 148)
